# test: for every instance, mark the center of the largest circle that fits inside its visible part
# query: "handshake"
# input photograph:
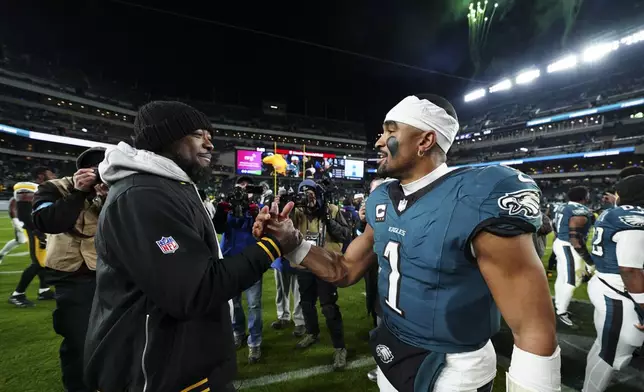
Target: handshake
(277, 224)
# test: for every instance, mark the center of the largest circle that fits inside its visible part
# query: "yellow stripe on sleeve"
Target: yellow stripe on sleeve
(270, 241)
(193, 386)
(266, 250)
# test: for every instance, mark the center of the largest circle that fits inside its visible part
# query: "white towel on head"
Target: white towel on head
(426, 116)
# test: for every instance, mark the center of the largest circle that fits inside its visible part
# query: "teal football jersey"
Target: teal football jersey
(432, 293)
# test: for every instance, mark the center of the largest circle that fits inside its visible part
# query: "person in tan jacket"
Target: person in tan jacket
(67, 210)
(321, 224)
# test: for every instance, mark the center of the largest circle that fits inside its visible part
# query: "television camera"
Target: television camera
(240, 200)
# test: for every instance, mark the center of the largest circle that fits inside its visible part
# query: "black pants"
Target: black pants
(74, 298)
(312, 288)
(34, 268)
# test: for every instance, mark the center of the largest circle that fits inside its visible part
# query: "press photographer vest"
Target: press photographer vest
(66, 252)
(313, 226)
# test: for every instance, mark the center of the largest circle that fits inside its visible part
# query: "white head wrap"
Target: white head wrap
(426, 116)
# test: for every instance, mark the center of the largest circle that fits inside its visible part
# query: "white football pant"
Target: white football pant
(570, 271)
(617, 337)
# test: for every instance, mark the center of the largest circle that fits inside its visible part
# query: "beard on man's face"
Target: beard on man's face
(193, 169)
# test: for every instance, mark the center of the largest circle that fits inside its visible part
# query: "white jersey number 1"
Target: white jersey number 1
(392, 254)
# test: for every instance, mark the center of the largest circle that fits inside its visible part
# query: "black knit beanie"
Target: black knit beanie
(160, 123)
(631, 190)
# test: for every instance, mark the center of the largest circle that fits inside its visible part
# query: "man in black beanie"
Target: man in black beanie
(160, 319)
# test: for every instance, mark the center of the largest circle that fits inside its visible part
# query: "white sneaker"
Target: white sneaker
(565, 319)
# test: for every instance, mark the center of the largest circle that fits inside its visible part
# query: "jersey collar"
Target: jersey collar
(422, 182)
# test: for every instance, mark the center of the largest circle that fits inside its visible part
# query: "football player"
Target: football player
(455, 252)
(572, 224)
(617, 289)
(553, 210)
(24, 194)
(19, 233)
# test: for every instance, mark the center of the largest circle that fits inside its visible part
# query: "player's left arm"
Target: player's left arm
(516, 278)
(576, 226)
(504, 251)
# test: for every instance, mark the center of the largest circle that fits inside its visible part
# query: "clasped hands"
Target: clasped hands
(279, 225)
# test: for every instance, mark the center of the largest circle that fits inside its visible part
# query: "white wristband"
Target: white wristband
(530, 372)
(637, 297)
(17, 223)
(297, 255)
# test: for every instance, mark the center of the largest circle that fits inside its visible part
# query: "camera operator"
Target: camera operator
(67, 209)
(322, 224)
(285, 284)
(234, 219)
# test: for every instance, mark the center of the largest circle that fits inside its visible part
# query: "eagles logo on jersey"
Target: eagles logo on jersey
(384, 353)
(633, 220)
(524, 202)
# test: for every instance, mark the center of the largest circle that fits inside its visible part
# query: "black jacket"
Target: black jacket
(160, 319)
(53, 213)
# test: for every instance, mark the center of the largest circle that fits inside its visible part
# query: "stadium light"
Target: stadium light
(526, 77)
(562, 64)
(474, 95)
(505, 84)
(633, 38)
(599, 51)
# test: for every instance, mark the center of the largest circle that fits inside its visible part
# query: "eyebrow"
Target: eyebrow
(391, 123)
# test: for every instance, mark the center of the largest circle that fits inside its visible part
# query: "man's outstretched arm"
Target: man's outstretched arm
(517, 281)
(341, 270)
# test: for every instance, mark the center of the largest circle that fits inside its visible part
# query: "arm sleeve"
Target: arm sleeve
(189, 281)
(511, 208)
(630, 248)
(53, 213)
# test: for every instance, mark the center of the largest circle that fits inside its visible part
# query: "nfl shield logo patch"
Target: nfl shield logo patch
(167, 245)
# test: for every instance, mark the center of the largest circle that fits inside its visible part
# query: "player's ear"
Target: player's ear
(427, 141)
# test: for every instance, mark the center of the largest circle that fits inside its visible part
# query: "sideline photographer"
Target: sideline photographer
(322, 224)
(67, 209)
(234, 219)
(286, 285)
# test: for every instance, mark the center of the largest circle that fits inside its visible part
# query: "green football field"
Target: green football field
(29, 346)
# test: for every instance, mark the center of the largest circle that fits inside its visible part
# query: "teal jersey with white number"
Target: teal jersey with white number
(432, 292)
(567, 212)
(609, 223)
